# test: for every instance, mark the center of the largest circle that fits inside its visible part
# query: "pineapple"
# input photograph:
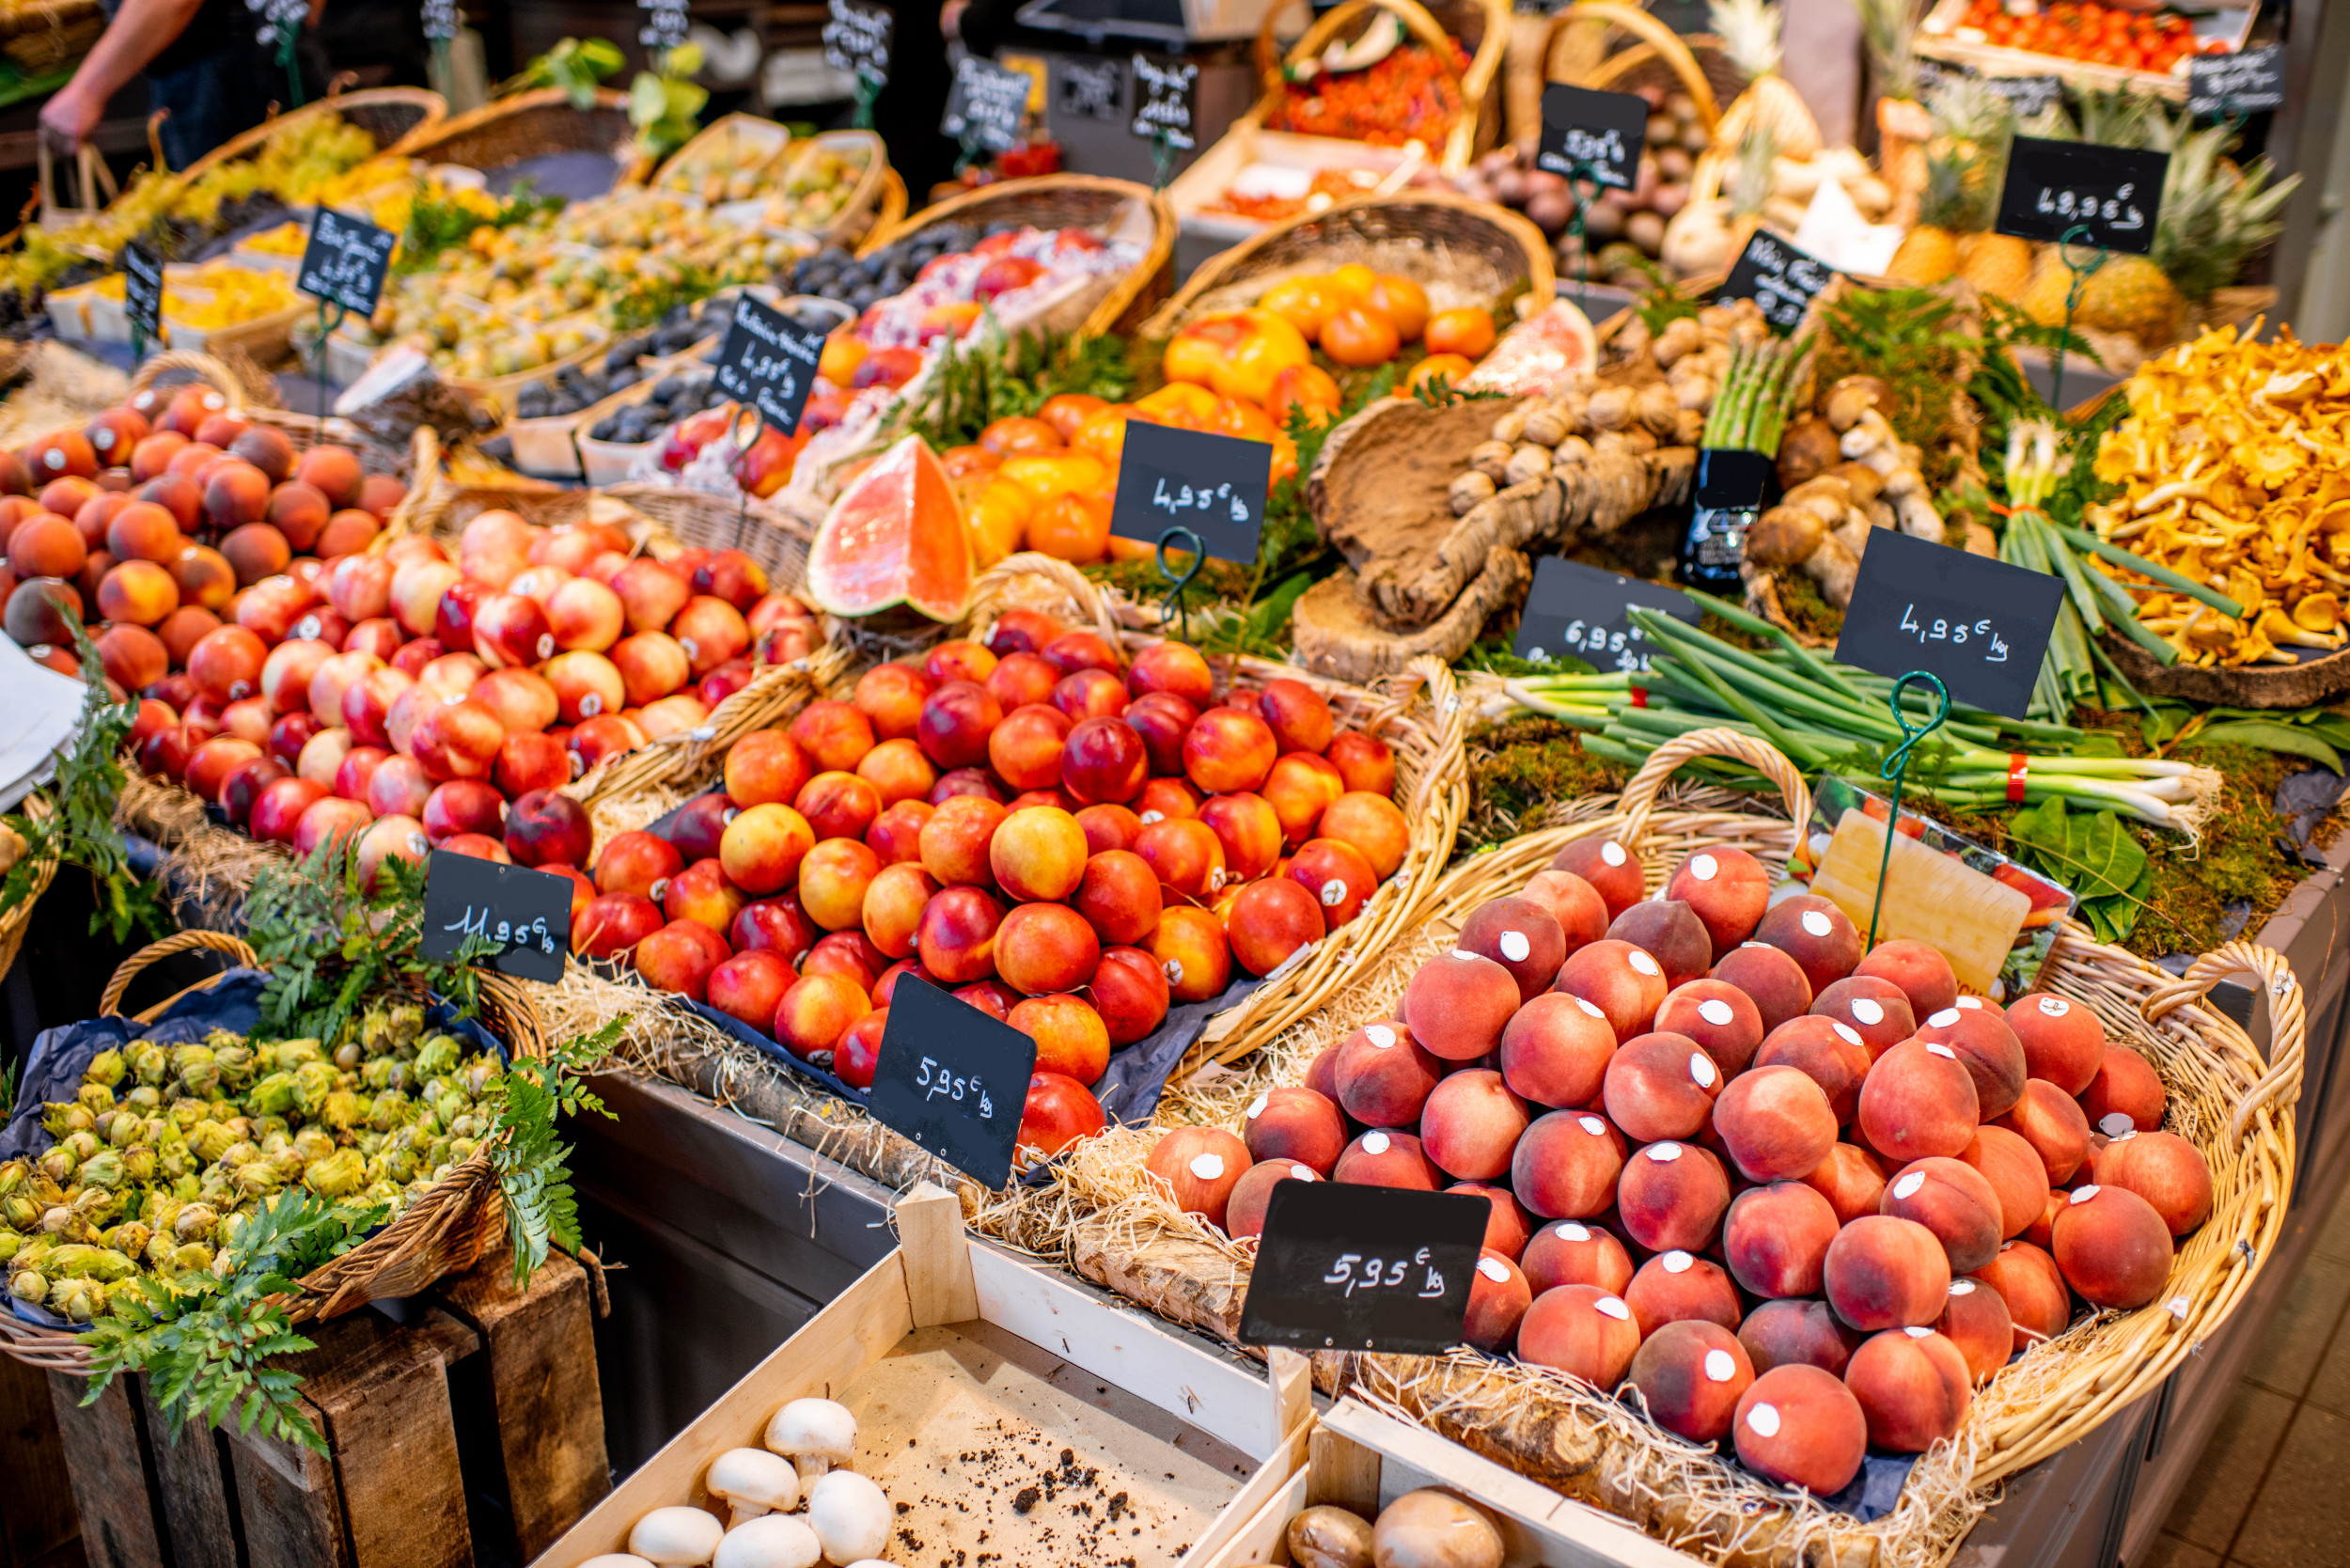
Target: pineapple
(1995, 264)
(2050, 286)
(1928, 256)
(2132, 294)
(2215, 213)
(1750, 33)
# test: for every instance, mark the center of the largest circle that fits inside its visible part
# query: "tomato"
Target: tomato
(1452, 367)
(1102, 437)
(1059, 1111)
(960, 462)
(1301, 302)
(891, 367)
(1244, 420)
(1307, 387)
(1063, 473)
(1400, 301)
(1350, 284)
(1069, 412)
(1016, 436)
(951, 320)
(1184, 404)
(1356, 336)
(1071, 528)
(843, 352)
(1468, 332)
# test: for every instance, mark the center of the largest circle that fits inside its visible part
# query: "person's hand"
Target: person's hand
(69, 117)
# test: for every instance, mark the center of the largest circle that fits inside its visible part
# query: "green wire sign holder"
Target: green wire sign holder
(2074, 238)
(1182, 539)
(2081, 196)
(1593, 140)
(1894, 770)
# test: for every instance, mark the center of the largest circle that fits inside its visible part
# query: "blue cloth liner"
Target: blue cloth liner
(575, 176)
(1876, 1489)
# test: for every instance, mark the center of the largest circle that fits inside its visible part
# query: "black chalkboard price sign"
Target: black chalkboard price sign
(769, 363)
(2244, 83)
(1776, 276)
(1164, 89)
(856, 40)
(1342, 1267)
(1214, 485)
(2029, 95)
(345, 260)
(527, 912)
(1592, 135)
(143, 292)
(2105, 196)
(953, 1079)
(1979, 624)
(988, 105)
(1089, 90)
(1577, 611)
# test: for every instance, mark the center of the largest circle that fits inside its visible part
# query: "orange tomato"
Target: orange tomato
(843, 352)
(1068, 413)
(1245, 421)
(1452, 367)
(998, 520)
(1071, 528)
(1400, 301)
(1060, 474)
(1350, 284)
(1307, 387)
(1184, 404)
(1284, 459)
(1467, 331)
(1016, 436)
(961, 461)
(1302, 302)
(1356, 337)
(1102, 437)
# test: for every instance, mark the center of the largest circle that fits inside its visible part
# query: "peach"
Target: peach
(652, 665)
(1467, 1000)
(2166, 1170)
(1680, 1287)
(2052, 1122)
(1522, 937)
(1383, 1075)
(2063, 1041)
(1950, 1199)
(833, 878)
(1919, 969)
(2014, 1169)
(1789, 1332)
(1498, 1297)
(1296, 1124)
(1200, 1167)
(299, 511)
(1226, 750)
(1875, 1009)
(1661, 1085)
(1191, 947)
(1975, 1321)
(1043, 947)
(1671, 932)
(1184, 853)
(1130, 993)
(134, 658)
(778, 924)
(1721, 1018)
(1569, 1252)
(1387, 1159)
(1800, 1426)
(1070, 1037)
(1470, 1124)
(764, 766)
(1020, 680)
(890, 696)
(1919, 1100)
(2124, 1093)
(209, 765)
(956, 842)
(748, 987)
(1580, 1330)
(1776, 1123)
(1555, 1050)
(1670, 1194)
(333, 819)
(898, 770)
(2040, 1232)
(1161, 720)
(1691, 1376)
(1913, 1386)
(144, 531)
(346, 533)
(2028, 1280)
(894, 901)
(1574, 903)
(1088, 694)
(1728, 889)
(1269, 920)
(256, 551)
(1825, 1051)
(956, 721)
(1624, 982)
(838, 806)
(957, 935)
(1886, 1272)
(1608, 867)
(1986, 1047)
(1038, 854)
(815, 1013)
(278, 809)
(1104, 761)
(183, 628)
(1566, 1163)
(834, 735)
(228, 664)
(1337, 875)
(1021, 630)
(1244, 1211)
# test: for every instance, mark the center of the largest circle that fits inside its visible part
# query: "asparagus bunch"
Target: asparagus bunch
(1750, 413)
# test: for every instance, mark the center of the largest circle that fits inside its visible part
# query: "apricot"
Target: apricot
(1919, 969)
(1569, 1252)
(1986, 1047)
(1825, 1051)
(957, 935)
(1670, 1194)
(2052, 1122)
(2014, 1169)
(1776, 1123)
(1727, 888)
(1387, 1159)
(1298, 1124)
(1773, 981)
(1465, 1000)
(1581, 1331)
(1574, 903)
(1919, 1100)
(1680, 1287)
(1975, 1319)
(1952, 1199)
(1800, 1426)
(1608, 867)
(1566, 1163)
(1671, 932)
(2125, 1094)
(2063, 1041)
(1384, 1075)
(1070, 1038)
(1555, 1050)
(1913, 1385)
(1191, 947)
(1875, 1009)
(1816, 934)
(1660, 1086)
(1521, 935)
(2028, 1280)
(1623, 982)
(1886, 1272)
(1719, 1017)
(1506, 1227)
(2163, 1169)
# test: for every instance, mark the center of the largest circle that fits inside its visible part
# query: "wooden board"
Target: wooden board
(39, 1516)
(192, 1490)
(106, 1452)
(1929, 897)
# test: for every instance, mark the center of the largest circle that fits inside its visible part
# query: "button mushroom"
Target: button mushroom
(815, 1434)
(676, 1537)
(752, 1481)
(1327, 1537)
(850, 1515)
(615, 1559)
(1434, 1529)
(770, 1540)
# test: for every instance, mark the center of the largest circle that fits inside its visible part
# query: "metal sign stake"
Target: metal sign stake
(1895, 769)
(1174, 600)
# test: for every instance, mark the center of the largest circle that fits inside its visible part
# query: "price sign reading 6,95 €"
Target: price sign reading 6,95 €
(1342, 1267)
(1980, 624)
(769, 363)
(345, 260)
(953, 1079)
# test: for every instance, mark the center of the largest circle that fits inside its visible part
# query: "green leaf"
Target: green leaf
(2267, 736)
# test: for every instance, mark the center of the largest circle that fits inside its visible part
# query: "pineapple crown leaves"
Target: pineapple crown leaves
(329, 940)
(2213, 213)
(1749, 184)
(204, 1340)
(1750, 33)
(534, 1181)
(1889, 29)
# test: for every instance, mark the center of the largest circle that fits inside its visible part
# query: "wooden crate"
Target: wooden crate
(982, 1383)
(392, 1490)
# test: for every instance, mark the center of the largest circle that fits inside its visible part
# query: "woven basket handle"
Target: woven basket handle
(1335, 20)
(423, 503)
(988, 593)
(110, 999)
(1639, 794)
(1649, 31)
(203, 366)
(2288, 1018)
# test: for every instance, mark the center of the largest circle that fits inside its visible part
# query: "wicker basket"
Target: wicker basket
(302, 430)
(766, 142)
(392, 116)
(15, 922)
(1065, 201)
(1482, 23)
(449, 1228)
(2236, 1109)
(528, 125)
(1450, 245)
(1418, 714)
(865, 210)
(1588, 47)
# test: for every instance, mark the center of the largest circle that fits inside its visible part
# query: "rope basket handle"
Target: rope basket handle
(110, 999)
(989, 591)
(1414, 16)
(2288, 1018)
(1647, 30)
(203, 366)
(1639, 791)
(421, 505)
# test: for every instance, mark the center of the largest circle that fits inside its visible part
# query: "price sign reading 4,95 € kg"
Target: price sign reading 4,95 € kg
(345, 260)
(1343, 1267)
(953, 1079)
(1595, 134)
(1980, 624)
(1214, 485)
(527, 912)
(2111, 193)
(768, 362)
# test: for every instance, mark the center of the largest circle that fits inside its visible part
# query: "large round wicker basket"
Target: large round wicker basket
(391, 116)
(528, 125)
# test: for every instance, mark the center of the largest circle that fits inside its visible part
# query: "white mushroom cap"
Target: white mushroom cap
(676, 1537)
(814, 1434)
(616, 1559)
(770, 1540)
(751, 1482)
(850, 1515)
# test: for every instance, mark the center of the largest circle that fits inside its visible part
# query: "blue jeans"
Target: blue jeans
(213, 98)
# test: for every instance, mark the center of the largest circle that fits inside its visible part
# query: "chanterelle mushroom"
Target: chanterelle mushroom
(850, 1515)
(814, 1434)
(770, 1540)
(752, 1481)
(676, 1537)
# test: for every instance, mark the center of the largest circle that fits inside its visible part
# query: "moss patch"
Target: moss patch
(1518, 769)
(1218, 580)
(1806, 611)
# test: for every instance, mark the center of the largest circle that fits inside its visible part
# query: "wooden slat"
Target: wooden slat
(192, 1490)
(938, 1262)
(540, 1347)
(287, 1499)
(1342, 1473)
(1264, 1538)
(387, 1419)
(39, 1516)
(1285, 1471)
(106, 1453)
(1291, 1377)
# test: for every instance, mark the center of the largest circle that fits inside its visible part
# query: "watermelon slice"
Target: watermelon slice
(895, 537)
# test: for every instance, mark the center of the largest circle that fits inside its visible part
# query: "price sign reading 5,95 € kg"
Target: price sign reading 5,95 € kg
(345, 261)
(1342, 1267)
(527, 912)
(1214, 485)
(1980, 624)
(768, 362)
(953, 1079)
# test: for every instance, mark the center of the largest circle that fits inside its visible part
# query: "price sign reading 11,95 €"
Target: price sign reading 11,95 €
(527, 912)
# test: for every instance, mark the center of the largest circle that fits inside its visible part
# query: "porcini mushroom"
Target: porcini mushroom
(676, 1537)
(1327, 1536)
(1434, 1529)
(752, 1481)
(814, 1434)
(850, 1515)
(770, 1540)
